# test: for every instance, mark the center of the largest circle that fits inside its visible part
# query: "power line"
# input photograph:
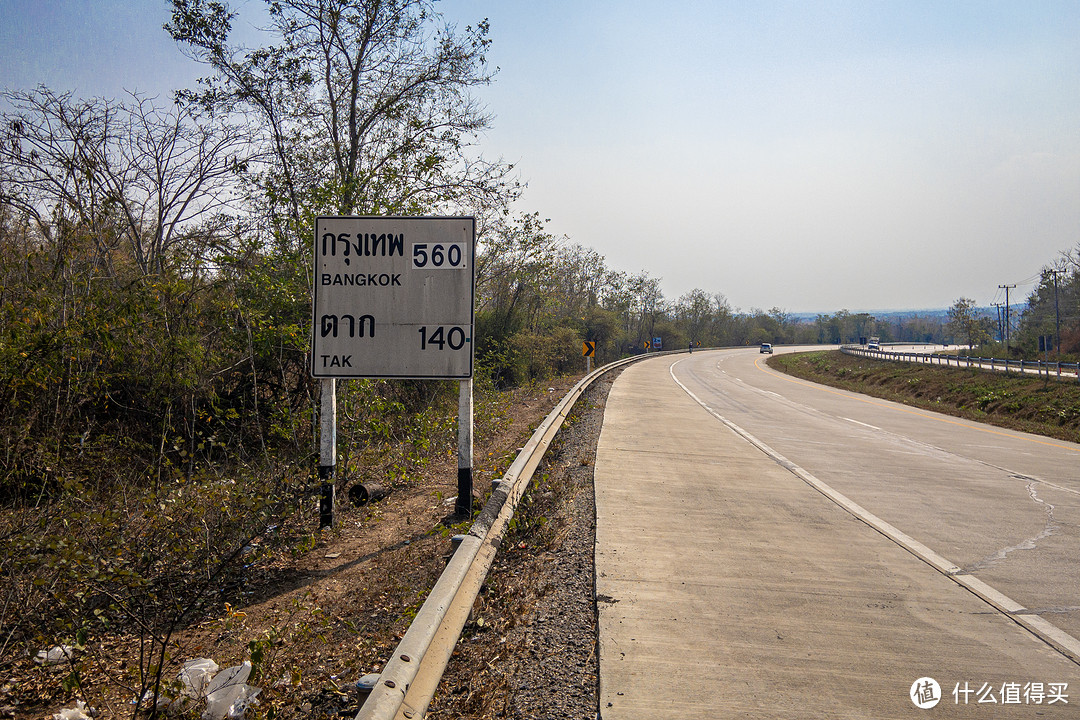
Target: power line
(1031, 280)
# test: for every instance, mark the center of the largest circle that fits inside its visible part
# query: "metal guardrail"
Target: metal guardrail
(1058, 370)
(411, 676)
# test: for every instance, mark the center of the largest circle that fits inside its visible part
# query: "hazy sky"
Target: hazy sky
(807, 155)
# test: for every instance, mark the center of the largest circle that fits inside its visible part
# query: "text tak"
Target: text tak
(336, 361)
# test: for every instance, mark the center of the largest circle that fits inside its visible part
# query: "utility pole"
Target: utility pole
(1000, 325)
(1006, 289)
(1057, 311)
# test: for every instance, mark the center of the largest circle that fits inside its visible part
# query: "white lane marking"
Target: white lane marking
(872, 427)
(1052, 635)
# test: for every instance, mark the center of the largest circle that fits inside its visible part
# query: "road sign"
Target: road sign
(588, 348)
(657, 344)
(393, 297)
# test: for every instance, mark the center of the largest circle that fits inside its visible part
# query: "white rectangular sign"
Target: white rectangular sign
(393, 297)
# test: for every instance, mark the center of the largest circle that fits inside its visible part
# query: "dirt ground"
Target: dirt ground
(318, 618)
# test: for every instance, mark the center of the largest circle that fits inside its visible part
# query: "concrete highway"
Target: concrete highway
(768, 547)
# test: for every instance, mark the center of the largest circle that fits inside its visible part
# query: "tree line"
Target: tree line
(1046, 326)
(1053, 310)
(155, 257)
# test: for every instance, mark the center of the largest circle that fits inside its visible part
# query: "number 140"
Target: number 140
(442, 337)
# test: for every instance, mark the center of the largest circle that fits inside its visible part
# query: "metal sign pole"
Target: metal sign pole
(327, 450)
(465, 449)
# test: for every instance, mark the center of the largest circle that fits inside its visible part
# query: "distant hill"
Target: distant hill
(894, 315)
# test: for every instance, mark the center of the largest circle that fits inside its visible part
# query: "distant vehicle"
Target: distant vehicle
(766, 348)
(874, 344)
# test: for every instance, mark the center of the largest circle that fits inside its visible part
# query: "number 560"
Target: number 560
(449, 256)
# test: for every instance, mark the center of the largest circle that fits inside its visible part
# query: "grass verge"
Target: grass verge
(1036, 405)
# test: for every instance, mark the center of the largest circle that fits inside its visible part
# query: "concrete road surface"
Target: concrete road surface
(730, 585)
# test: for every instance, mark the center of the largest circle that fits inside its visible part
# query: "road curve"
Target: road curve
(728, 585)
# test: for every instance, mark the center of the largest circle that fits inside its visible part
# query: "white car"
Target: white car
(766, 348)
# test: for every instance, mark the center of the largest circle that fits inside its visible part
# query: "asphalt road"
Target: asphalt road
(767, 547)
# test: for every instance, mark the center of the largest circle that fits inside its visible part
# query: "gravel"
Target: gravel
(530, 648)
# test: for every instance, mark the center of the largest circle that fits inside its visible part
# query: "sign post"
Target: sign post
(327, 450)
(1046, 343)
(463, 506)
(588, 349)
(393, 299)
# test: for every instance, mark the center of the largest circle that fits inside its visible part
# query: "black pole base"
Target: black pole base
(326, 496)
(463, 508)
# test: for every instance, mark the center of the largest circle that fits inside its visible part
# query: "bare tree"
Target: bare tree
(696, 311)
(365, 103)
(649, 303)
(129, 175)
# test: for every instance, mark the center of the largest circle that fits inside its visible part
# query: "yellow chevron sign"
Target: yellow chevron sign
(588, 348)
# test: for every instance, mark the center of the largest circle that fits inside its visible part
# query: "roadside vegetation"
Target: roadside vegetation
(157, 428)
(1031, 404)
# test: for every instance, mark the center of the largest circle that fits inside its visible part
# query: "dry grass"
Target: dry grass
(1027, 403)
(314, 612)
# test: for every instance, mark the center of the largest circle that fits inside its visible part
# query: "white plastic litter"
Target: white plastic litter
(79, 712)
(228, 695)
(195, 676)
(54, 655)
